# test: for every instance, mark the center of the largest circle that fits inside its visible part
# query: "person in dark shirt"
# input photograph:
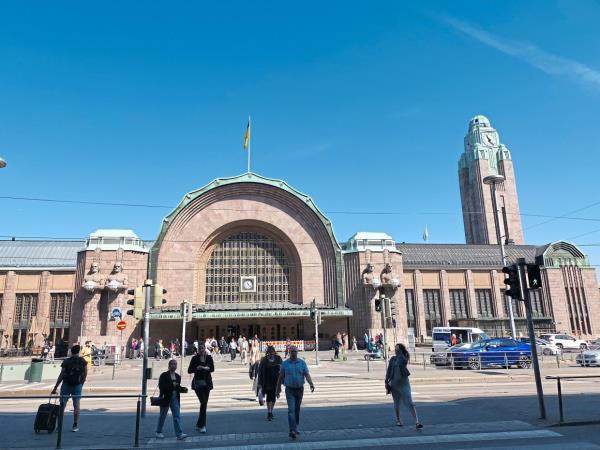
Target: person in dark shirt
(169, 384)
(73, 374)
(202, 366)
(268, 373)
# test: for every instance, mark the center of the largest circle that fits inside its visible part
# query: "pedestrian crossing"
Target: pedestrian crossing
(514, 433)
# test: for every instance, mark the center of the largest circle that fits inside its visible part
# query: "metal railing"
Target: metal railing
(136, 442)
(561, 411)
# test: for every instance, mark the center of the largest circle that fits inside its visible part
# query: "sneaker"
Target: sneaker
(419, 425)
(398, 423)
(292, 435)
(269, 417)
(203, 430)
(159, 435)
(181, 437)
(75, 428)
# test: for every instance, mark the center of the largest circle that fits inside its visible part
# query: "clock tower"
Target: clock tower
(484, 155)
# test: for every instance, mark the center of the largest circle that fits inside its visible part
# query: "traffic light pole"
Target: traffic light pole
(534, 355)
(147, 299)
(184, 320)
(384, 324)
(503, 255)
(317, 337)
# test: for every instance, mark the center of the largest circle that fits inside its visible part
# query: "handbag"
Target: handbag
(155, 401)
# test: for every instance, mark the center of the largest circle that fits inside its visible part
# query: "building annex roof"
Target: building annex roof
(43, 255)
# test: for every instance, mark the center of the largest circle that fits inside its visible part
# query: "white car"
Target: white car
(590, 357)
(546, 348)
(565, 342)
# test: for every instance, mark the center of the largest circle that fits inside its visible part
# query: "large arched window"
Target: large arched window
(247, 254)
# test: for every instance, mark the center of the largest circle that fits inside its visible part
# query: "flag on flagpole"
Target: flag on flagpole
(247, 135)
(425, 234)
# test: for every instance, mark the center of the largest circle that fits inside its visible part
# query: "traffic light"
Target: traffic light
(137, 302)
(157, 293)
(513, 284)
(313, 314)
(387, 306)
(534, 276)
(187, 311)
(393, 307)
(378, 305)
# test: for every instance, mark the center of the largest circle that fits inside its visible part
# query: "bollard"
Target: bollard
(113, 372)
(557, 361)
(61, 414)
(424, 367)
(560, 402)
(368, 364)
(452, 360)
(136, 442)
(506, 361)
(479, 355)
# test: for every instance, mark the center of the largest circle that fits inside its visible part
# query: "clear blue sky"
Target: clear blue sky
(363, 106)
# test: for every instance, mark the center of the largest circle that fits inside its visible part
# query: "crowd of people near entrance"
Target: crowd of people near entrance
(268, 374)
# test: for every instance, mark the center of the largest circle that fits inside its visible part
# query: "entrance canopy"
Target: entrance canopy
(248, 311)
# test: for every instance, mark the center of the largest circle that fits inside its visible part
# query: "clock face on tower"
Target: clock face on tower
(489, 139)
(248, 284)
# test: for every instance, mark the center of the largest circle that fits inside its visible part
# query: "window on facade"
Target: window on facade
(537, 304)
(60, 317)
(25, 309)
(458, 304)
(409, 295)
(484, 302)
(432, 309)
(517, 306)
(249, 254)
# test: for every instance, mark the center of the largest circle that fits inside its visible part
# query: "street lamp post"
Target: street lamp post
(494, 180)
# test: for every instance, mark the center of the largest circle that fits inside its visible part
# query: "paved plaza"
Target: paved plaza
(349, 409)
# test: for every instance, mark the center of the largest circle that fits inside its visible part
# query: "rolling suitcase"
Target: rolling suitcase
(46, 417)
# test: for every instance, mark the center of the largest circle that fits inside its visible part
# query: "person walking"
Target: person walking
(157, 350)
(344, 346)
(141, 348)
(223, 346)
(202, 366)
(253, 370)
(86, 353)
(244, 350)
(293, 373)
(73, 373)
(268, 374)
(51, 351)
(354, 344)
(397, 383)
(169, 385)
(233, 348)
(337, 343)
(133, 349)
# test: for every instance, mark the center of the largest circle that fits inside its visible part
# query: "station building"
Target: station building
(251, 253)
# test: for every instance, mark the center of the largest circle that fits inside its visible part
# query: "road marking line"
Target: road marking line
(397, 441)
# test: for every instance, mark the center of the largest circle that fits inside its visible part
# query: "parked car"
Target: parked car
(544, 347)
(590, 357)
(497, 352)
(443, 358)
(565, 342)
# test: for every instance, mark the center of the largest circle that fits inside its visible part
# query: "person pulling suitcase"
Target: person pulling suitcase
(72, 376)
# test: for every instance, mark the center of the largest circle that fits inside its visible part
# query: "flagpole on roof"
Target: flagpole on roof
(425, 234)
(249, 141)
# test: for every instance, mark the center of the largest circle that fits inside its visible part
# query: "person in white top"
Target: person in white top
(232, 348)
(244, 350)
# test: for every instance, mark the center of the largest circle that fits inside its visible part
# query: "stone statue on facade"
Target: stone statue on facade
(93, 280)
(388, 278)
(367, 275)
(117, 280)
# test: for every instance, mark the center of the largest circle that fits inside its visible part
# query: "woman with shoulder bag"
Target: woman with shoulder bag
(202, 367)
(169, 384)
(396, 382)
(268, 373)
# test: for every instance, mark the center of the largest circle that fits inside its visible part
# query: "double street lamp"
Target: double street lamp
(493, 181)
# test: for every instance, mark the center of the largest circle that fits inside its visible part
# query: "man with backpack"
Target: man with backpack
(72, 376)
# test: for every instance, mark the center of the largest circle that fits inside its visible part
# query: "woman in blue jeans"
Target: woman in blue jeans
(170, 387)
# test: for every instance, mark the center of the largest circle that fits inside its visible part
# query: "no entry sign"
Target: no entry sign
(121, 325)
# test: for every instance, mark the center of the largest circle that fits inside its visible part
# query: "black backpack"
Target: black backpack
(75, 371)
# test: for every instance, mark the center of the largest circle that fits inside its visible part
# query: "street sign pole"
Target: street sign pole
(185, 312)
(147, 300)
(534, 356)
(384, 325)
(317, 337)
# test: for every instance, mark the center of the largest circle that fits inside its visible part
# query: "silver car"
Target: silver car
(544, 347)
(590, 357)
